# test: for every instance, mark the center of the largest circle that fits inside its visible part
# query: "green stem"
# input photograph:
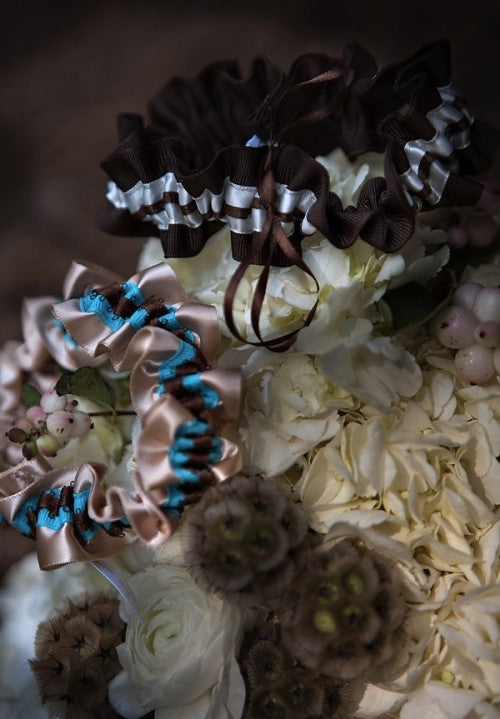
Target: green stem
(113, 413)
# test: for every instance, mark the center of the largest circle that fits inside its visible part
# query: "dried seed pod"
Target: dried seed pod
(344, 616)
(278, 686)
(241, 538)
(76, 657)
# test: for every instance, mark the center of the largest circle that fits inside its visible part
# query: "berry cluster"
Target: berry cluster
(469, 226)
(50, 425)
(471, 325)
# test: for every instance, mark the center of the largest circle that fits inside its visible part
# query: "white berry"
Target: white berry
(465, 295)
(454, 327)
(457, 237)
(36, 415)
(60, 426)
(51, 402)
(82, 423)
(487, 305)
(496, 359)
(488, 334)
(475, 364)
(481, 231)
(47, 445)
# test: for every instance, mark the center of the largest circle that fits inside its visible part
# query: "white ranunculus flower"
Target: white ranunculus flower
(289, 406)
(179, 656)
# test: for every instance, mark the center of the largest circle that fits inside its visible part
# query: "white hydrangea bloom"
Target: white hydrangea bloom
(289, 406)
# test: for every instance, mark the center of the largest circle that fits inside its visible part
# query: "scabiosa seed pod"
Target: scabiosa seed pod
(278, 686)
(241, 538)
(75, 657)
(345, 615)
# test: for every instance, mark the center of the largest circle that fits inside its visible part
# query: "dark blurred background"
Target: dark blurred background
(68, 67)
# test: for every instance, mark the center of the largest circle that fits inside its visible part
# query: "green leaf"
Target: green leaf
(30, 395)
(88, 383)
(62, 386)
(410, 304)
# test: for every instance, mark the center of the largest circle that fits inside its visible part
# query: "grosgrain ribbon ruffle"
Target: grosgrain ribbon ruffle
(179, 185)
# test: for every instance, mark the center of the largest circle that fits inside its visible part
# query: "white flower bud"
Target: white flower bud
(457, 237)
(47, 445)
(481, 231)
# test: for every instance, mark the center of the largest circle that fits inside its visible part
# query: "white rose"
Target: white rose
(179, 660)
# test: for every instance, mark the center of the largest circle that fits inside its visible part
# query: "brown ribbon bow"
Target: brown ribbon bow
(294, 108)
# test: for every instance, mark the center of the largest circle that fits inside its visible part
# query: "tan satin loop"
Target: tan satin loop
(85, 276)
(11, 377)
(44, 340)
(55, 548)
(158, 433)
(33, 353)
(96, 338)
(150, 347)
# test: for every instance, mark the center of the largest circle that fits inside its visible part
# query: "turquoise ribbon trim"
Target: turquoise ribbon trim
(133, 293)
(138, 319)
(67, 337)
(92, 302)
(183, 441)
(170, 322)
(55, 522)
(66, 515)
(193, 383)
(168, 369)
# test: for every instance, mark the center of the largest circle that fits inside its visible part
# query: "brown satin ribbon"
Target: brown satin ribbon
(291, 112)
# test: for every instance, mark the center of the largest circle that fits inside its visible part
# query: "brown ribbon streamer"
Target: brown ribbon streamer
(294, 109)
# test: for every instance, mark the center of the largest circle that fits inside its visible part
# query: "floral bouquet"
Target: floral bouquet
(264, 468)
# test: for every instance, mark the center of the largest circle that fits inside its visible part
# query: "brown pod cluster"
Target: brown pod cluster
(241, 538)
(344, 617)
(279, 687)
(75, 657)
